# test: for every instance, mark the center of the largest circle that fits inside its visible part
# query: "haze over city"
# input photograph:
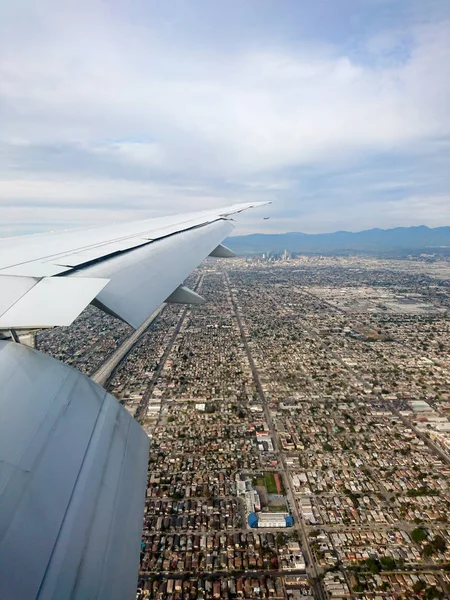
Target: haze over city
(336, 111)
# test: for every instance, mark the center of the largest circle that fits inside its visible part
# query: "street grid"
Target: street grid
(305, 368)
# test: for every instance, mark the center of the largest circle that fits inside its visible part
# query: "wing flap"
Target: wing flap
(29, 255)
(47, 302)
(12, 289)
(143, 279)
(91, 254)
(145, 261)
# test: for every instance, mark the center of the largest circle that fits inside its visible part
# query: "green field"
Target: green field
(270, 483)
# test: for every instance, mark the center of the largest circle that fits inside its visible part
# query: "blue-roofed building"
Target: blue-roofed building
(252, 520)
(289, 521)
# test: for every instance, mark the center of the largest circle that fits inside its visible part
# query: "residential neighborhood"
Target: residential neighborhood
(299, 429)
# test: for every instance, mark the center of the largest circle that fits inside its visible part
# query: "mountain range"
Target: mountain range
(397, 240)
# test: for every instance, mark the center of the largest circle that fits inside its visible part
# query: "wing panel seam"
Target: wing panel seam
(101, 259)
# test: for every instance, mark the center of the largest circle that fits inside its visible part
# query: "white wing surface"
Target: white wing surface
(127, 269)
(73, 462)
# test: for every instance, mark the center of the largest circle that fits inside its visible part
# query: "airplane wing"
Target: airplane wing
(73, 462)
(127, 269)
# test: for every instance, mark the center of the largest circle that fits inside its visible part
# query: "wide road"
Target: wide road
(319, 592)
(143, 405)
(421, 434)
(103, 373)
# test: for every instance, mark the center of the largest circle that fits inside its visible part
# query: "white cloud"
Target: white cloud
(42, 204)
(127, 97)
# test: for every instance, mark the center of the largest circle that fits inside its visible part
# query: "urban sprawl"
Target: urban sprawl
(299, 428)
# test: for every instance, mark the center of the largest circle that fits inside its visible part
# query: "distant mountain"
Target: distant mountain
(398, 240)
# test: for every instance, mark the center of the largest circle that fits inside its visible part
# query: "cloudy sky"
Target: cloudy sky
(336, 110)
